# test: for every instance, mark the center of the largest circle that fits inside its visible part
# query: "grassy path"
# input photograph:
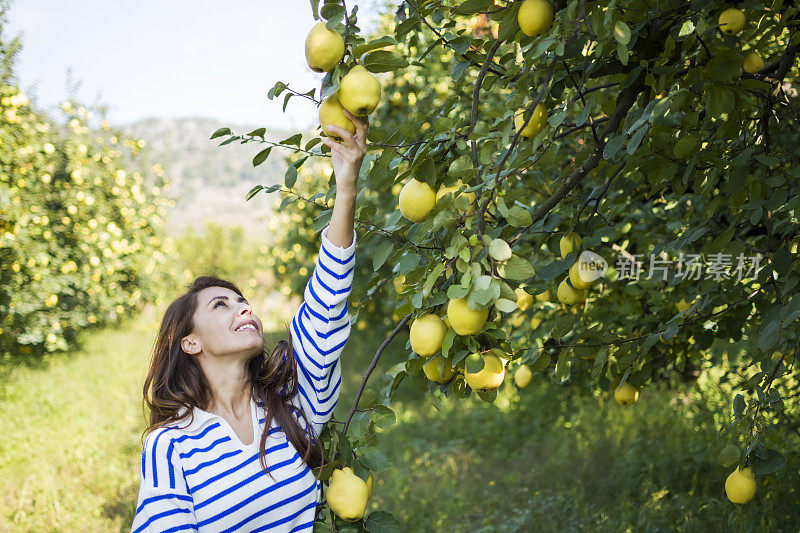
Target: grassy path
(72, 436)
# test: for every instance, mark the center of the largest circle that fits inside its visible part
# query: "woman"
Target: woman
(208, 464)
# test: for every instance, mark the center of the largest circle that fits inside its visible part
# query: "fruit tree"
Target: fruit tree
(620, 186)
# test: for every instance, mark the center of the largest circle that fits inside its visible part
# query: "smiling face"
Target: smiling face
(220, 311)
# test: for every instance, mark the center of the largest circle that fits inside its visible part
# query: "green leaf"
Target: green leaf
(321, 527)
(563, 365)
(359, 425)
(276, 90)
(374, 459)
(551, 270)
(719, 100)
(220, 132)
(519, 217)
(772, 462)
(447, 343)
(458, 69)
(612, 147)
(636, 140)
(562, 326)
(622, 33)
(508, 25)
(258, 133)
(381, 254)
(622, 53)
(738, 405)
(315, 9)
(728, 455)
(383, 416)
(470, 7)
(261, 156)
(253, 191)
(407, 263)
(382, 522)
(383, 61)
(686, 29)
(516, 268)
(294, 139)
(375, 44)
(290, 178)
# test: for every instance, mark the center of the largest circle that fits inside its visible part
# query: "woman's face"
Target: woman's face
(218, 319)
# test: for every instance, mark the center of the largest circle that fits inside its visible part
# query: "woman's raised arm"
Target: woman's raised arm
(346, 159)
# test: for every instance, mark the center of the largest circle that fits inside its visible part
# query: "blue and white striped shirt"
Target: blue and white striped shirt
(201, 477)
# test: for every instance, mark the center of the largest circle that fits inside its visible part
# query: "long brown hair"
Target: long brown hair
(177, 380)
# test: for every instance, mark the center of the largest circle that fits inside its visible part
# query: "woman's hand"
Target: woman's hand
(347, 158)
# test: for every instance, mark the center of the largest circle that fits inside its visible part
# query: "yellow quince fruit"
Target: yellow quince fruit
(535, 17)
(523, 375)
(490, 376)
(731, 21)
(347, 494)
(359, 91)
(626, 394)
(331, 114)
(741, 485)
(431, 370)
(427, 334)
(524, 299)
(324, 48)
(752, 63)
(569, 242)
(567, 294)
(463, 319)
(416, 200)
(535, 124)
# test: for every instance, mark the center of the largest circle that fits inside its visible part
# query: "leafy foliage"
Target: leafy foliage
(658, 147)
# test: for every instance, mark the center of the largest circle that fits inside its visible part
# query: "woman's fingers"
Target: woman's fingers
(346, 136)
(361, 123)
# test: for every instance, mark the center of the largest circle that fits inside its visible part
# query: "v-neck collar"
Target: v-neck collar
(201, 418)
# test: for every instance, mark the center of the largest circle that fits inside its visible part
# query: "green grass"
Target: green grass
(540, 459)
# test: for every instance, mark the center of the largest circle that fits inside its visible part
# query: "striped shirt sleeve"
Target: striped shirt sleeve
(164, 502)
(320, 329)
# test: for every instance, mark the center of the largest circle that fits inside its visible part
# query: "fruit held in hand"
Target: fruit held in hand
(464, 320)
(416, 200)
(535, 124)
(489, 377)
(741, 485)
(427, 334)
(347, 494)
(731, 21)
(359, 91)
(535, 17)
(523, 376)
(567, 294)
(569, 242)
(332, 114)
(431, 370)
(752, 63)
(324, 48)
(626, 394)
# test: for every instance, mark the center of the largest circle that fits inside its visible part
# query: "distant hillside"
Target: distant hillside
(208, 181)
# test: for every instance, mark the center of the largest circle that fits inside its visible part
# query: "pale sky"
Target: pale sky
(172, 58)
